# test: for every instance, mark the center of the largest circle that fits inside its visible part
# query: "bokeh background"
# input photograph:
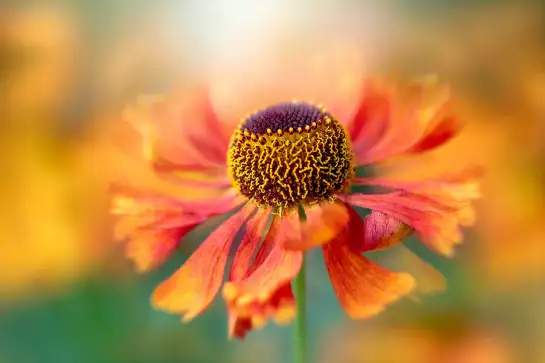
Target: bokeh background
(68, 68)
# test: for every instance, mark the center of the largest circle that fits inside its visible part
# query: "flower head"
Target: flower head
(290, 154)
(284, 161)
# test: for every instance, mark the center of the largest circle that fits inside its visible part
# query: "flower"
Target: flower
(286, 171)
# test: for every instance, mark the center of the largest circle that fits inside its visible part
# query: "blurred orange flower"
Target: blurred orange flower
(420, 344)
(49, 193)
(50, 220)
(290, 166)
(40, 46)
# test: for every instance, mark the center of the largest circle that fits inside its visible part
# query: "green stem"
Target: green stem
(300, 337)
(299, 286)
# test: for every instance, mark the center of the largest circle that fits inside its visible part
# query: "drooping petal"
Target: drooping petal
(324, 222)
(383, 231)
(193, 287)
(255, 229)
(278, 269)
(239, 326)
(265, 290)
(437, 225)
(151, 226)
(246, 316)
(378, 231)
(362, 287)
(435, 208)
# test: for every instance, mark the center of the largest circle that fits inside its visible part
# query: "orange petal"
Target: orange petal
(193, 287)
(254, 315)
(383, 231)
(324, 222)
(255, 229)
(378, 231)
(453, 190)
(149, 249)
(436, 224)
(280, 267)
(441, 133)
(362, 287)
(410, 120)
(189, 130)
(370, 120)
(132, 148)
(153, 227)
(153, 118)
(435, 208)
(265, 291)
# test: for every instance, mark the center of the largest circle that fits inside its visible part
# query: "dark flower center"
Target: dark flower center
(290, 154)
(284, 116)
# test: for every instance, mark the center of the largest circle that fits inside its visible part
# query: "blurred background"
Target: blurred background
(68, 68)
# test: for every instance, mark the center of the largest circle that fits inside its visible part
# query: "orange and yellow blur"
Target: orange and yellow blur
(69, 69)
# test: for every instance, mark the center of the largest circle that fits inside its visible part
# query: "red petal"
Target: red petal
(280, 267)
(409, 121)
(441, 133)
(383, 231)
(362, 287)
(156, 131)
(153, 226)
(265, 290)
(189, 130)
(255, 228)
(157, 120)
(193, 287)
(436, 224)
(378, 231)
(370, 120)
(446, 192)
(150, 249)
(324, 222)
(280, 306)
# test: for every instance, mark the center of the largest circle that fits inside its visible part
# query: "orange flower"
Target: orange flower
(287, 170)
(421, 343)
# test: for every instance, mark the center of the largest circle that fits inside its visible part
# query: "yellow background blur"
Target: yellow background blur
(67, 69)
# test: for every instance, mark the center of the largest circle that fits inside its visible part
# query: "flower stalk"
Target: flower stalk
(299, 287)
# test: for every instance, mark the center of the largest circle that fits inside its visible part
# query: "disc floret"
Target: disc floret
(289, 154)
